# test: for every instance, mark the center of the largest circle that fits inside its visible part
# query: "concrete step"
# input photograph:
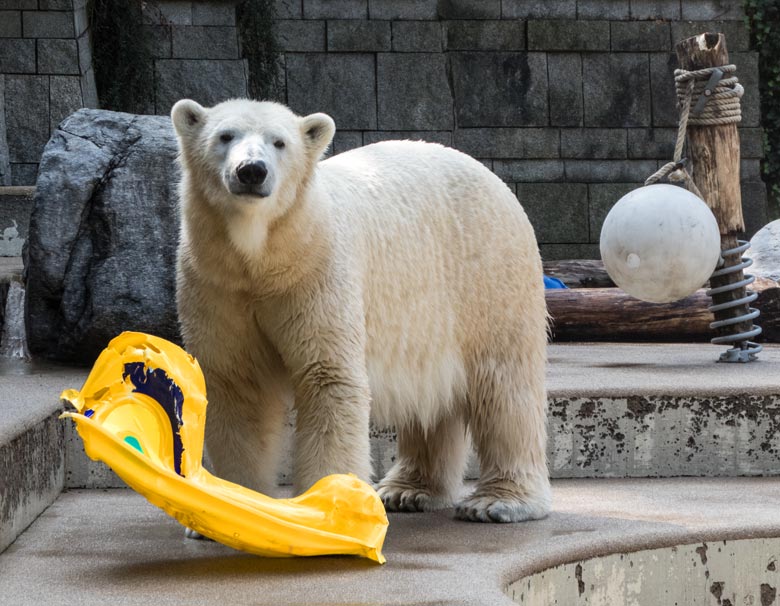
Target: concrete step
(111, 546)
(32, 442)
(615, 411)
(15, 208)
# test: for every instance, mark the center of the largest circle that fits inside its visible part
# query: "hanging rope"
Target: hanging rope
(718, 103)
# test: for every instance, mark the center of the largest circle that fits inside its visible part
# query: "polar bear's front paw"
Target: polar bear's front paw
(489, 506)
(407, 497)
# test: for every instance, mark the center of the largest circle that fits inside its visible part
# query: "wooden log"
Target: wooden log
(609, 314)
(714, 155)
(579, 273)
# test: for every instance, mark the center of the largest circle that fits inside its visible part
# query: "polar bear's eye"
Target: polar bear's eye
(279, 144)
(226, 137)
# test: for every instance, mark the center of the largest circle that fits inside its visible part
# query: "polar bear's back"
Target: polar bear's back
(448, 262)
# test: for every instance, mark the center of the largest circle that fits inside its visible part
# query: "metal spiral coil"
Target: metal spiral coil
(744, 350)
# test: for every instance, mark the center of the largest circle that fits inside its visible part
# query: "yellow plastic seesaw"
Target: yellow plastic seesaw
(142, 411)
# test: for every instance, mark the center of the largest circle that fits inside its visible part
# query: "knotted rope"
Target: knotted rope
(718, 103)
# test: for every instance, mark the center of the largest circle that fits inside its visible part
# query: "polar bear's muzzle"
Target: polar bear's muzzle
(250, 178)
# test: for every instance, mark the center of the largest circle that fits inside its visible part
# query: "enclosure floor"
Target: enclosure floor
(112, 547)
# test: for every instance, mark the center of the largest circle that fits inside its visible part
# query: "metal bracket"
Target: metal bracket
(709, 89)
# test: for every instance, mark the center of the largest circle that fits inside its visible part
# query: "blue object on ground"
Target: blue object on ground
(553, 283)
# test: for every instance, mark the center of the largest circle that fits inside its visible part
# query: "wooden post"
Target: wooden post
(714, 156)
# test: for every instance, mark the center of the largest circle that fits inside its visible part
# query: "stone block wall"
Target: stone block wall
(571, 103)
(45, 75)
(195, 51)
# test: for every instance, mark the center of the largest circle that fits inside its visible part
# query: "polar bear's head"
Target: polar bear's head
(244, 152)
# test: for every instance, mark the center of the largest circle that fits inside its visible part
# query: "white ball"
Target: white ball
(660, 243)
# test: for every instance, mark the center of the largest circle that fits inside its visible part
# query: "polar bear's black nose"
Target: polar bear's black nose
(252, 172)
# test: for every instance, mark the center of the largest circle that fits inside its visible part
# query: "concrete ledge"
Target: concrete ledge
(96, 547)
(32, 475)
(616, 410)
(32, 450)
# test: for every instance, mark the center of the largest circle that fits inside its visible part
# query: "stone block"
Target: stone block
(288, 9)
(17, 56)
(754, 207)
(358, 36)
(750, 170)
(10, 24)
(667, 10)
(640, 36)
(26, 116)
(609, 171)
(318, 82)
(58, 57)
(568, 35)
(345, 140)
(603, 196)
(5, 161)
(18, 4)
(664, 99)
(443, 137)
(470, 9)
(55, 5)
(85, 52)
(593, 143)
(751, 142)
(714, 10)
(599, 9)
(747, 72)
(80, 20)
(558, 211)
(413, 92)
(214, 13)
(486, 35)
(566, 103)
(736, 32)
(159, 38)
(555, 252)
(24, 173)
(174, 12)
(508, 142)
(204, 42)
(538, 9)
(335, 9)
(47, 24)
(89, 89)
(65, 94)
(417, 36)
(206, 81)
(295, 35)
(652, 143)
(529, 171)
(500, 89)
(617, 90)
(402, 9)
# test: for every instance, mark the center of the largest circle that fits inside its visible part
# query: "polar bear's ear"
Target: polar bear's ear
(318, 131)
(188, 117)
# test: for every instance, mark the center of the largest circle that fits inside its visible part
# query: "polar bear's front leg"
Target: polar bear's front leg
(332, 403)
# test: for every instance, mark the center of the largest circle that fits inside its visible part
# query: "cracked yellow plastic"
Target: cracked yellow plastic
(142, 411)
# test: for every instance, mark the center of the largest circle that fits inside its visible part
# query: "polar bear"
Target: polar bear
(400, 282)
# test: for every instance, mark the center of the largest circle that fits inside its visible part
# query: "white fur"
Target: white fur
(400, 279)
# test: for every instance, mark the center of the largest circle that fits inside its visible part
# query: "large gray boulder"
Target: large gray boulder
(765, 251)
(100, 256)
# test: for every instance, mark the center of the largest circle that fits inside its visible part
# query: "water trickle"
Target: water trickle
(13, 340)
